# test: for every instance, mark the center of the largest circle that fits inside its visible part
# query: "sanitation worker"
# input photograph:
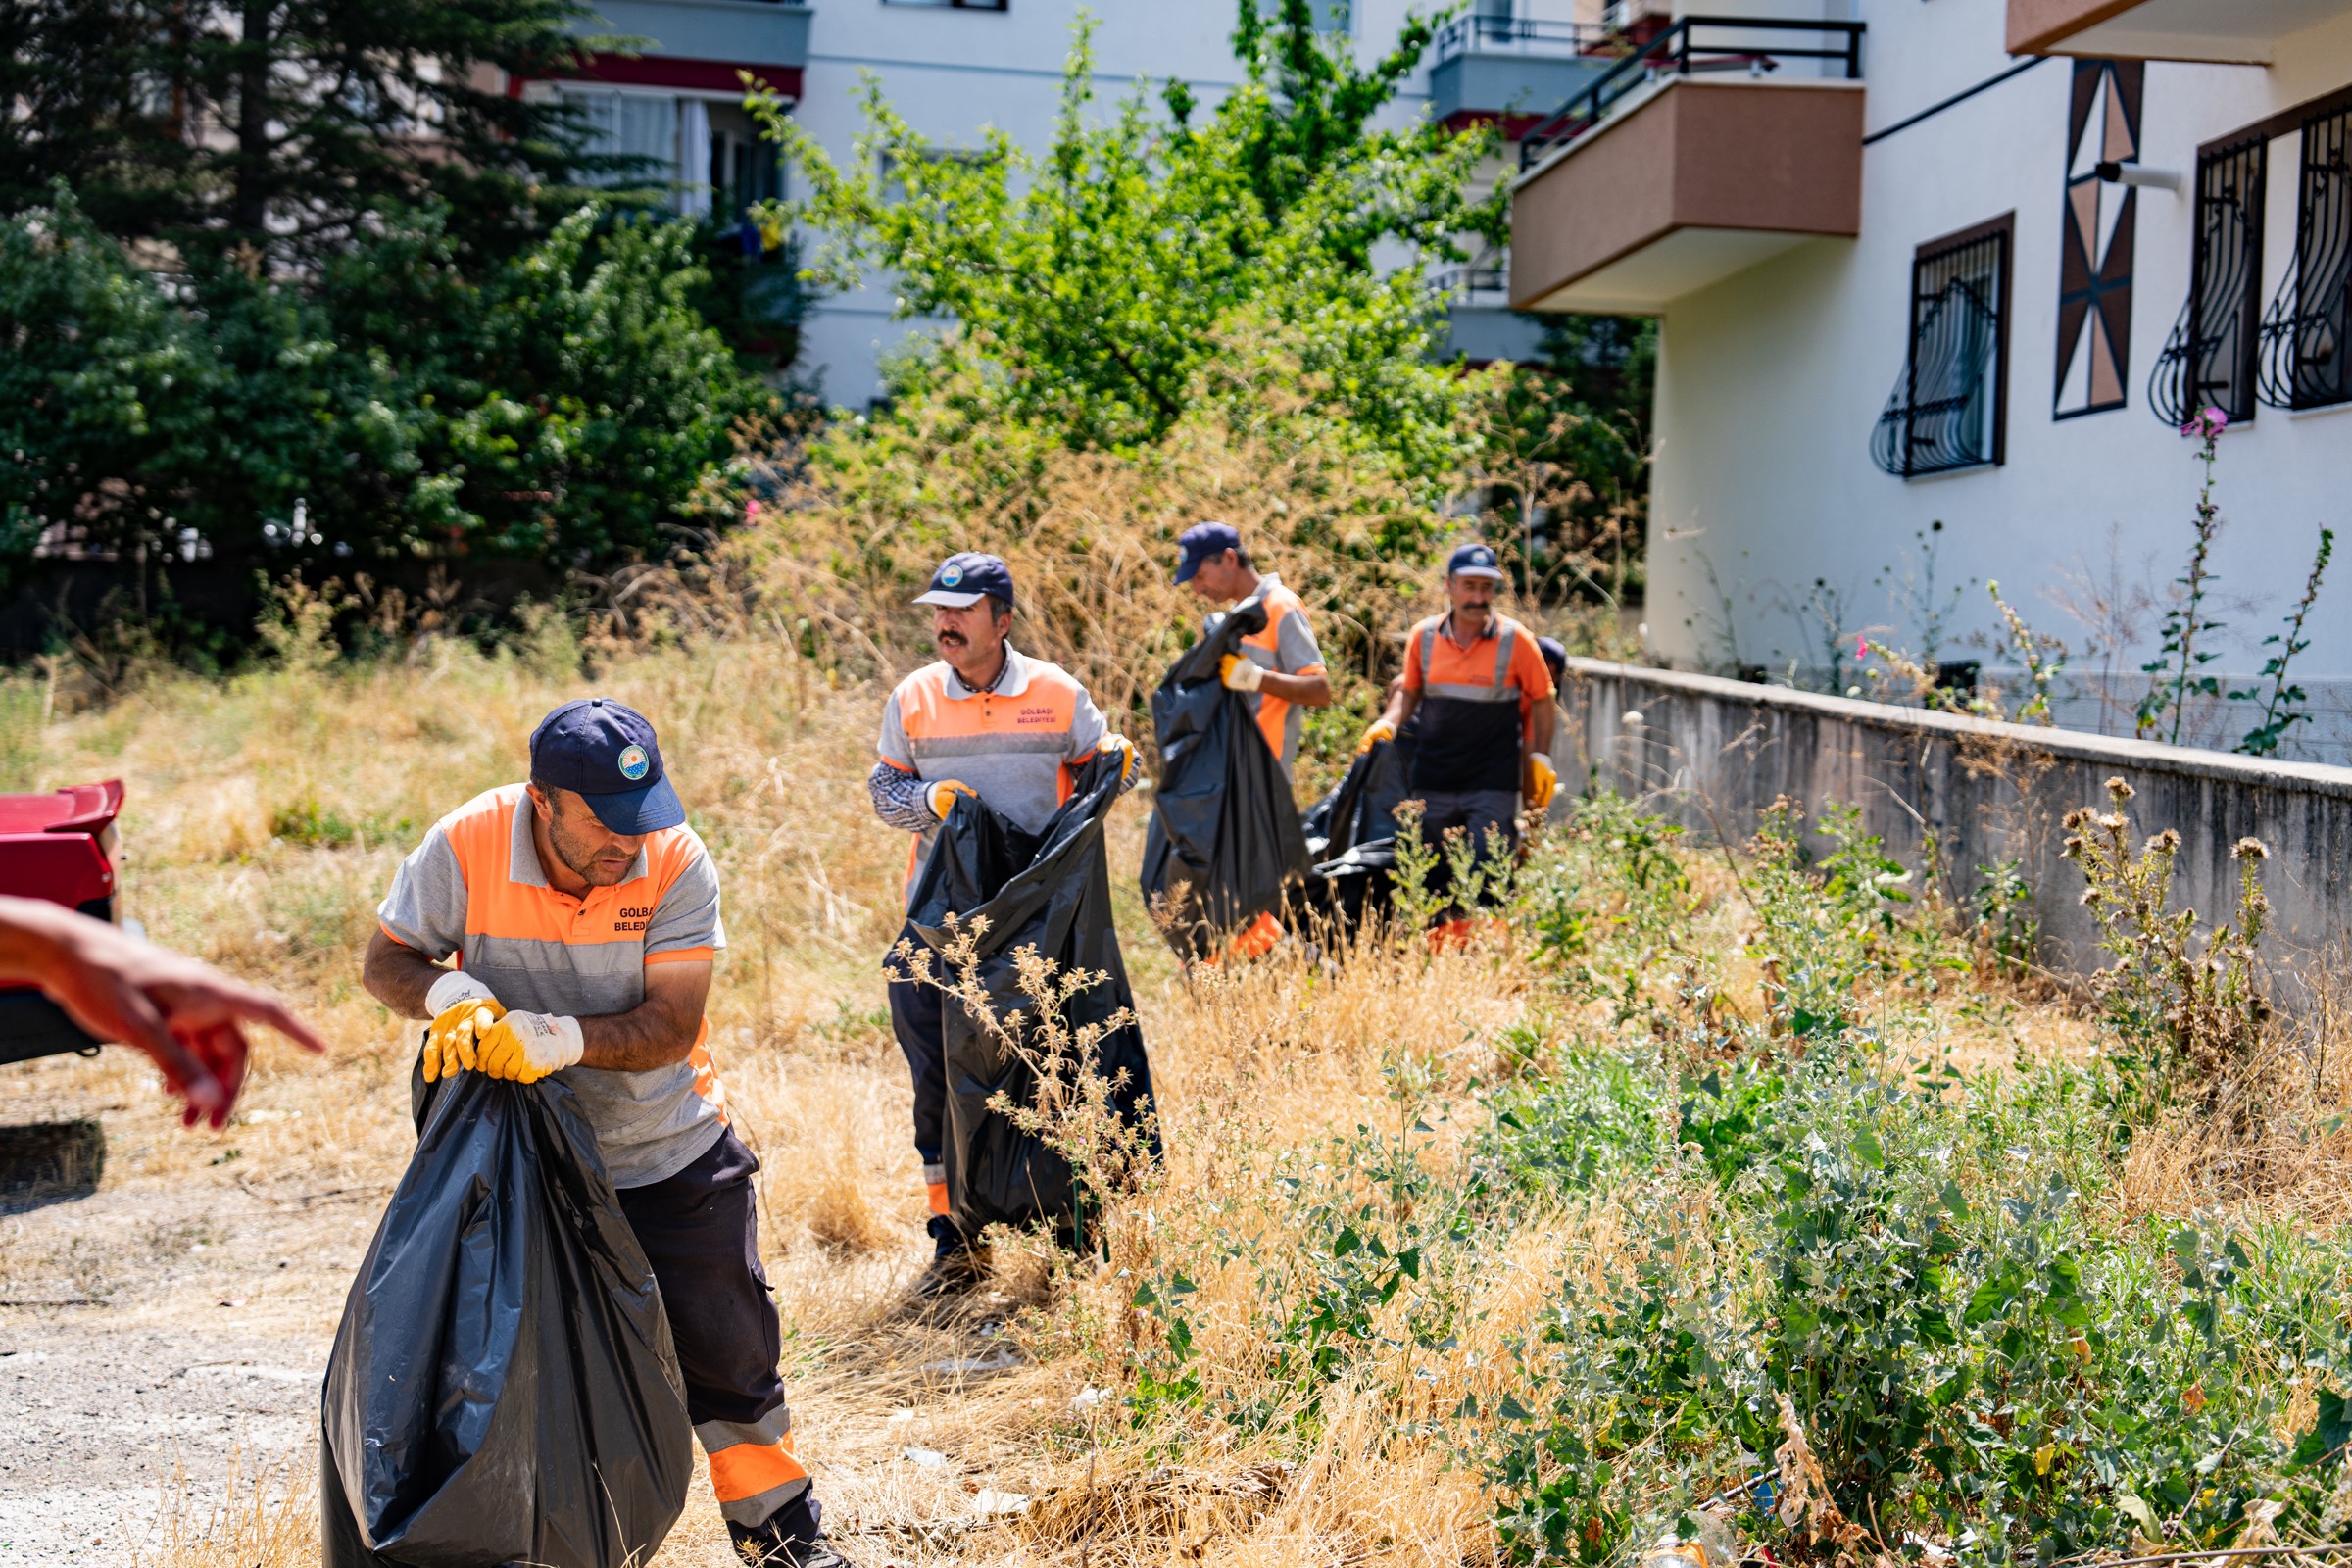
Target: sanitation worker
(583, 914)
(1475, 683)
(989, 721)
(1279, 672)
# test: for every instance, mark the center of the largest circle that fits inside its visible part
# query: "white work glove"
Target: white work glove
(1241, 675)
(525, 1046)
(463, 1011)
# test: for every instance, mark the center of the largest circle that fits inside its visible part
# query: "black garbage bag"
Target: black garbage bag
(1351, 834)
(1052, 891)
(1224, 846)
(503, 1388)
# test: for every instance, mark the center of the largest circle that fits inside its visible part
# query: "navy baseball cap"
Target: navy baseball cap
(1555, 655)
(1202, 543)
(962, 578)
(1474, 561)
(605, 753)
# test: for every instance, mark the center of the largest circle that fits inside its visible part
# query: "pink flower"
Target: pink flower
(1861, 647)
(2208, 423)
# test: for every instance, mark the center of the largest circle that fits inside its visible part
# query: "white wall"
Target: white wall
(1771, 382)
(952, 71)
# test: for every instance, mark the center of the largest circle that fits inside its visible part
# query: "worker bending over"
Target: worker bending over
(988, 721)
(1279, 670)
(583, 914)
(1476, 682)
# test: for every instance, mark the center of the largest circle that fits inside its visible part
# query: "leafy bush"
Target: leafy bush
(565, 408)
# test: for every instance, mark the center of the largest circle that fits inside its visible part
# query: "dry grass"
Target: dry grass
(1262, 1073)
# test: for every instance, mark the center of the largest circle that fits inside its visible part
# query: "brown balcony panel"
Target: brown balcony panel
(1702, 180)
(2245, 31)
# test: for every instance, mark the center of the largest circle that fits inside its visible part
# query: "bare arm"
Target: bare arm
(1539, 721)
(1311, 690)
(399, 976)
(658, 1031)
(1401, 707)
(187, 1016)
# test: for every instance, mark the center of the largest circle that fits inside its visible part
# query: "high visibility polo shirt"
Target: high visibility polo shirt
(1285, 647)
(1476, 703)
(1018, 745)
(475, 888)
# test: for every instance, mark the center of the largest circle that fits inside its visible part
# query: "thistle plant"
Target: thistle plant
(2175, 673)
(2281, 707)
(2195, 1009)
(2042, 656)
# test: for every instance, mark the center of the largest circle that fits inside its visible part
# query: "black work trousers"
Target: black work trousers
(701, 1232)
(918, 1016)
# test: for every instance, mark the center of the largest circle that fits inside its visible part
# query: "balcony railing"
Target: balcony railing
(1692, 46)
(1517, 35)
(1488, 288)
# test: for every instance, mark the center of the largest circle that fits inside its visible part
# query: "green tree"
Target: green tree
(284, 127)
(1094, 285)
(565, 407)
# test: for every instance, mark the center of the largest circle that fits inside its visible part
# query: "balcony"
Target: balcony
(1480, 327)
(1721, 143)
(1511, 69)
(701, 45)
(2235, 31)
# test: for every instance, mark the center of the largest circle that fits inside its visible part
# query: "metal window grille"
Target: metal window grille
(2307, 336)
(1946, 411)
(2210, 359)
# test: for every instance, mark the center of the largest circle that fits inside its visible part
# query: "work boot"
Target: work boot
(955, 1265)
(789, 1539)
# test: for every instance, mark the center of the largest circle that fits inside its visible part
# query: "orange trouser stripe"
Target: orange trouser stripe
(938, 1192)
(1256, 940)
(748, 1469)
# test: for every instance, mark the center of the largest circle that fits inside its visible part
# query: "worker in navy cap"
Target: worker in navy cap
(989, 721)
(1279, 670)
(582, 913)
(1477, 682)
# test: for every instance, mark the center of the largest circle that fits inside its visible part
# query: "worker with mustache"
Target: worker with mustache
(988, 721)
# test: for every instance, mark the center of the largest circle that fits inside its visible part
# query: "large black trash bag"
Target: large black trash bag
(1050, 891)
(1351, 834)
(1224, 846)
(503, 1388)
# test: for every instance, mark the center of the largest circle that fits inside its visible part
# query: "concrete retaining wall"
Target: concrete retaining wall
(1712, 754)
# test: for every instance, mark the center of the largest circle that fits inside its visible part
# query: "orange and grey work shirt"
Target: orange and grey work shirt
(1018, 745)
(1285, 647)
(1476, 702)
(474, 888)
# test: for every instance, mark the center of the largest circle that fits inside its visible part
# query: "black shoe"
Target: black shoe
(789, 1539)
(955, 1264)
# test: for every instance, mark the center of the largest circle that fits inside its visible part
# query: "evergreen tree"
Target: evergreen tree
(275, 128)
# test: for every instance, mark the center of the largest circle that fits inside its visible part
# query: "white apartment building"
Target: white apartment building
(1974, 274)
(954, 66)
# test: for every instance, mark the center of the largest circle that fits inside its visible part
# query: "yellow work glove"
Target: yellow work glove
(525, 1046)
(942, 795)
(1380, 729)
(1125, 750)
(463, 1011)
(1541, 781)
(1241, 675)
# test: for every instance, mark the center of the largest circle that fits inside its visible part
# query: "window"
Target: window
(1950, 408)
(2307, 336)
(2209, 361)
(2100, 224)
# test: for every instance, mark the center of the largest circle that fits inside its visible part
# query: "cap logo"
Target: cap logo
(950, 575)
(634, 764)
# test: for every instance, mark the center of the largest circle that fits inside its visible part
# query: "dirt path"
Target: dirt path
(169, 1329)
